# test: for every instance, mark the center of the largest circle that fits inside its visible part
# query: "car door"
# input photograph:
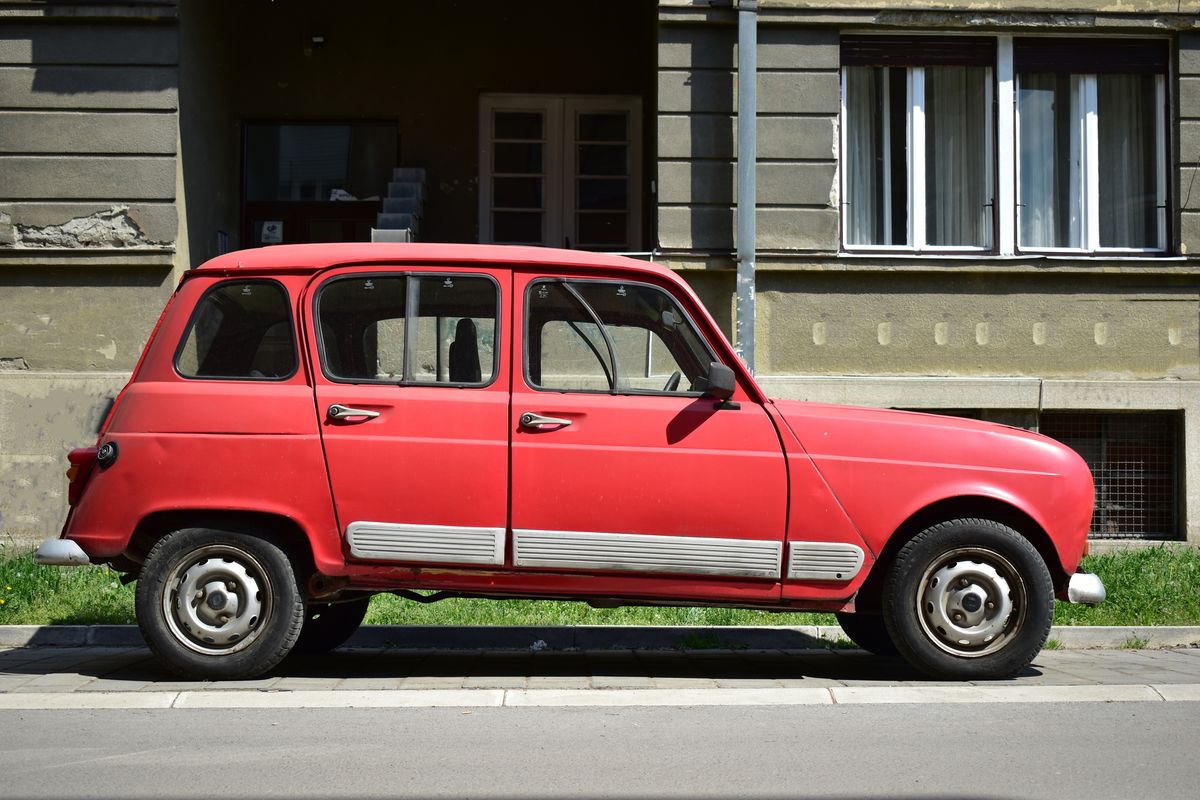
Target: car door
(619, 462)
(412, 392)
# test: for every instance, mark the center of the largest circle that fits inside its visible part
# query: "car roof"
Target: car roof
(314, 257)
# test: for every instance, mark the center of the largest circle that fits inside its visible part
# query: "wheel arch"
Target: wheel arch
(281, 529)
(869, 597)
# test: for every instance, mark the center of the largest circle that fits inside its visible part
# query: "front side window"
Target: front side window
(611, 337)
(918, 142)
(1090, 144)
(428, 329)
(240, 330)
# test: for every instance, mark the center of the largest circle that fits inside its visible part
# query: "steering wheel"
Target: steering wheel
(673, 381)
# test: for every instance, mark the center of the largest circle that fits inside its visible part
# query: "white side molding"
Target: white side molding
(630, 552)
(823, 561)
(449, 544)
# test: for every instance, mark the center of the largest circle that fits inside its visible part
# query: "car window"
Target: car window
(610, 336)
(240, 330)
(438, 329)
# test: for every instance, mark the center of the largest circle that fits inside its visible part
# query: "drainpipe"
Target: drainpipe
(747, 148)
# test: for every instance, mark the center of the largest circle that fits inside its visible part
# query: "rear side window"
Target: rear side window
(240, 330)
(410, 329)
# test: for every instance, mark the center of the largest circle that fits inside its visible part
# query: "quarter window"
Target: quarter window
(611, 337)
(240, 329)
(429, 329)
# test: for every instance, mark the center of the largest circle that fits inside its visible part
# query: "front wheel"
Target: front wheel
(969, 598)
(218, 604)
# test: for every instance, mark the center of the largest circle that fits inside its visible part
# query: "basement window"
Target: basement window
(1134, 458)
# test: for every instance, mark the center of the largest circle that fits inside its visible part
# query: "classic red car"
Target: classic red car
(310, 425)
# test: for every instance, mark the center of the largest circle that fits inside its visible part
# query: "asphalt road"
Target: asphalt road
(931, 750)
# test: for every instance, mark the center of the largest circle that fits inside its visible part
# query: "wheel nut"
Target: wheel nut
(963, 582)
(231, 586)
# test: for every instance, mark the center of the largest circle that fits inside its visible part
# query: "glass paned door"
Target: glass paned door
(560, 171)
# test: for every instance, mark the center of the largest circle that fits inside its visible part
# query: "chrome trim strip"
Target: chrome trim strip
(631, 552)
(824, 561)
(1086, 588)
(449, 544)
(61, 553)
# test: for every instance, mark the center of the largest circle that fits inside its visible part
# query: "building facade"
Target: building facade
(982, 207)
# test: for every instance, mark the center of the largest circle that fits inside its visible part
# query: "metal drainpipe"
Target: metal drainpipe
(746, 157)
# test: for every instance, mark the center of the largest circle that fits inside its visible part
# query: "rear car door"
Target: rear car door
(412, 394)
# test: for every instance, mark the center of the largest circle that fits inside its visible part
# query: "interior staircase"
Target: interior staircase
(400, 219)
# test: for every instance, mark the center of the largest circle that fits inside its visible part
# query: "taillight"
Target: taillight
(83, 461)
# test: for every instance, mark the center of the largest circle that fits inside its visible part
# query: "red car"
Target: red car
(310, 425)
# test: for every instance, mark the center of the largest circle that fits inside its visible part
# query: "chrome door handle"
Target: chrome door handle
(531, 420)
(339, 411)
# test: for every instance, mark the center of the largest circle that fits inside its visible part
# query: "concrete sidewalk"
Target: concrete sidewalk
(123, 677)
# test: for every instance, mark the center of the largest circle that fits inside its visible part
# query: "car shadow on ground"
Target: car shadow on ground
(615, 667)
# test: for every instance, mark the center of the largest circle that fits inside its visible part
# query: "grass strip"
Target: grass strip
(1152, 586)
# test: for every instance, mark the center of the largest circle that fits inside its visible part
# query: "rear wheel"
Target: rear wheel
(218, 604)
(868, 631)
(969, 598)
(327, 625)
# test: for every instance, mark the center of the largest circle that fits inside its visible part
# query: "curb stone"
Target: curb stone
(603, 637)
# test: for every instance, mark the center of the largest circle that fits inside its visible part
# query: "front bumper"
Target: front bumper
(61, 553)
(1086, 588)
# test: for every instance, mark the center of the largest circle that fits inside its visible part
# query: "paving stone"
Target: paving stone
(559, 682)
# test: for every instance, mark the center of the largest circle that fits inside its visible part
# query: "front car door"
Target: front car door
(412, 391)
(619, 463)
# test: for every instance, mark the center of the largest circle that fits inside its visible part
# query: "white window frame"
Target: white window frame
(1089, 172)
(1004, 157)
(558, 166)
(915, 132)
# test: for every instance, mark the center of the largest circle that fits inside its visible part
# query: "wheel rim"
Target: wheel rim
(971, 602)
(216, 599)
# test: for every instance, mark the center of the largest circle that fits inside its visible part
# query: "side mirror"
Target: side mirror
(720, 383)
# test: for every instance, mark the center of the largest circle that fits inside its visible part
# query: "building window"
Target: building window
(560, 171)
(1134, 458)
(917, 116)
(1090, 143)
(1070, 157)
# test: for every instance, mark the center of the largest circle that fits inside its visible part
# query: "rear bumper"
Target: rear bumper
(61, 553)
(1086, 588)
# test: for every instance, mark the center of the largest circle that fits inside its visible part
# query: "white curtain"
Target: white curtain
(865, 162)
(958, 174)
(1125, 113)
(1050, 213)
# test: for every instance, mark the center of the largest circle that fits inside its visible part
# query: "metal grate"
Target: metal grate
(1134, 460)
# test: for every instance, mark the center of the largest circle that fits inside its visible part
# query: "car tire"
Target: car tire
(327, 625)
(869, 632)
(967, 599)
(218, 604)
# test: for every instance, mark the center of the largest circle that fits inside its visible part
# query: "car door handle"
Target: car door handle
(531, 420)
(339, 411)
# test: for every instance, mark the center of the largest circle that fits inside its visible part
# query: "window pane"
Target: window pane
(519, 158)
(307, 162)
(602, 127)
(517, 125)
(517, 227)
(603, 193)
(517, 192)
(877, 157)
(651, 335)
(1126, 113)
(361, 322)
(603, 159)
(958, 191)
(564, 348)
(453, 337)
(603, 230)
(1050, 160)
(242, 330)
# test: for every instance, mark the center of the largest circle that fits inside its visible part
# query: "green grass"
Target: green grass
(1156, 586)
